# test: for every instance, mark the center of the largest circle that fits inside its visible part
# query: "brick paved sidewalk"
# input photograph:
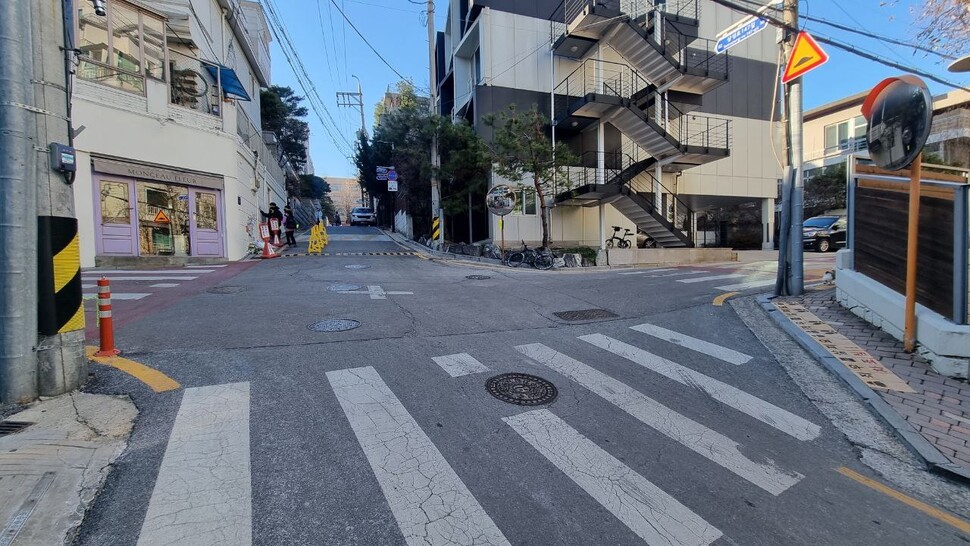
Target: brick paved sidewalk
(939, 409)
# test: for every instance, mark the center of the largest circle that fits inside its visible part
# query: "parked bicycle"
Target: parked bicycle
(619, 242)
(537, 258)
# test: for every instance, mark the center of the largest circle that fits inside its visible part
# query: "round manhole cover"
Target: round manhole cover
(225, 290)
(333, 325)
(357, 266)
(345, 287)
(521, 389)
(478, 277)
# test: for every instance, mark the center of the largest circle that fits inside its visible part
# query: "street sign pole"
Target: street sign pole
(793, 100)
(912, 247)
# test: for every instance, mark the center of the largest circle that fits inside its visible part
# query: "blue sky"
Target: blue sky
(396, 29)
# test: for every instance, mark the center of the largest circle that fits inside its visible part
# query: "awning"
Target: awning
(231, 86)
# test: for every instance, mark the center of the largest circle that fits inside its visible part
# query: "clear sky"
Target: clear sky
(332, 53)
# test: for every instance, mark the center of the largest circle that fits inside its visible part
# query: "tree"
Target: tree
(521, 148)
(313, 187)
(825, 191)
(942, 25)
(465, 164)
(282, 114)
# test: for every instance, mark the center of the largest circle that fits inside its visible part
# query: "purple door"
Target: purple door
(116, 223)
(206, 226)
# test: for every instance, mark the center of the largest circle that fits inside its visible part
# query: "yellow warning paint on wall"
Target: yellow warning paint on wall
(863, 365)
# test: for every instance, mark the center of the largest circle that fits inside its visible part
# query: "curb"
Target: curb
(921, 447)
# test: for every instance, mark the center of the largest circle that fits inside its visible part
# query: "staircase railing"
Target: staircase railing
(684, 217)
(690, 129)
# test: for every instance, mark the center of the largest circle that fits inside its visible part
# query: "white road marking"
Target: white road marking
(711, 278)
(769, 414)
(746, 285)
(376, 293)
(647, 510)
(145, 272)
(86, 286)
(119, 296)
(431, 504)
(205, 266)
(121, 278)
(164, 285)
(203, 492)
(677, 274)
(705, 442)
(644, 271)
(460, 364)
(721, 353)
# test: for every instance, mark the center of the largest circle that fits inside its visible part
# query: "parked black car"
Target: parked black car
(824, 233)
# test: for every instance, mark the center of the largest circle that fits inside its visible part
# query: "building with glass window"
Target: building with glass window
(172, 163)
(666, 128)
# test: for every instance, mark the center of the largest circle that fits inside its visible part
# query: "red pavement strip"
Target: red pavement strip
(126, 311)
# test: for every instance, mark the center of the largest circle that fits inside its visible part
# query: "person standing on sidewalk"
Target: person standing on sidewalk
(289, 225)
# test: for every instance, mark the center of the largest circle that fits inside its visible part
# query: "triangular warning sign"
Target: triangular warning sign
(161, 217)
(805, 56)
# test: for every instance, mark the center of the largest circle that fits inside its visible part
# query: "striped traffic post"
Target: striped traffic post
(105, 324)
(435, 228)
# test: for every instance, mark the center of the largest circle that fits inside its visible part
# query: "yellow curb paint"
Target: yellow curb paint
(719, 301)
(422, 256)
(156, 380)
(934, 513)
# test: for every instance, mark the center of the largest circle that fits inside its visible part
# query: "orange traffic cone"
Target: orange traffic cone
(268, 251)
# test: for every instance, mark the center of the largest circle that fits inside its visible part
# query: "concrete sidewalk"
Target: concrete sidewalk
(930, 412)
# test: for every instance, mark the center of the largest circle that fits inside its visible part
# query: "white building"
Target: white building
(665, 127)
(172, 163)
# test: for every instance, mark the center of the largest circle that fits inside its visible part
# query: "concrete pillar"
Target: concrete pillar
(768, 223)
(602, 208)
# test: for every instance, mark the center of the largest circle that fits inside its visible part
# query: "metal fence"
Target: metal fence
(194, 83)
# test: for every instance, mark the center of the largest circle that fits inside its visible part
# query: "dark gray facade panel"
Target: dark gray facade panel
(495, 100)
(541, 9)
(747, 94)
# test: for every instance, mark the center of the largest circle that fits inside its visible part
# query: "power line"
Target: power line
(372, 48)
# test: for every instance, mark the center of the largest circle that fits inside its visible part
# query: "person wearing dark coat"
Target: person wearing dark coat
(274, 212)
(289, 225)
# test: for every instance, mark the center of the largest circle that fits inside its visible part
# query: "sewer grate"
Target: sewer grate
(12, 427)
(586, 314)
(333, 325)
(478, 277)
(225, 289)
(345, 287)
(521, 389)
(357, 266)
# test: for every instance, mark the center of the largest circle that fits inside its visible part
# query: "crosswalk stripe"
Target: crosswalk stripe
(678, 274)
(711, 278)
(721, 353)
(98, 273)
(154, 278)
(644, 271)
(203, 492)
(164, 285)
(204, 266)
(746, 285)
(460, 364)
(118, 296)
(765, 412)
(647, 510)
(709, 444)
(431, 504)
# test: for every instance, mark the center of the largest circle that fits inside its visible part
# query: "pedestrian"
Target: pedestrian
(289, 224)
(319, 214)
(274, 213)
(336, 218)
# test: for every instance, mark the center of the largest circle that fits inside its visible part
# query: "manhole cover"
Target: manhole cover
(345, 287)
(333, 325)
(478, 277)
(225, 289)
(357, 266)
(521, 389)
(10, 427)
(586, 314)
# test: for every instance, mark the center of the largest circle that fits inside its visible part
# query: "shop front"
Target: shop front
(144, 211)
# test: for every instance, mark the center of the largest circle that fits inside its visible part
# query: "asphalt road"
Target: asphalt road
(385, 434)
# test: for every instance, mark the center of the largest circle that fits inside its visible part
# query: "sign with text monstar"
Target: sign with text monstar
(739, 34)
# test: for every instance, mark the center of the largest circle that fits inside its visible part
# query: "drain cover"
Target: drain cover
(345, 287)
(586, 314)
(521, 389)
(333, 325)
(357, 266)
(225, 290)
(11, 427)
(478, 277)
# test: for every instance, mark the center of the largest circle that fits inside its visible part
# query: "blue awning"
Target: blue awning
(231, 86)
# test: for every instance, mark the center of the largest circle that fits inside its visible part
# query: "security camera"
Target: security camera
(99, 8)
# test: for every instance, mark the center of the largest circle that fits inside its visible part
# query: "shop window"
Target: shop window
(163, 219)
(121, 48)
(115, 207)
(206, 216)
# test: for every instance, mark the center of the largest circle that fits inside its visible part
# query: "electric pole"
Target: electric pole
(355, 100)
(793, 105)
(435, 160)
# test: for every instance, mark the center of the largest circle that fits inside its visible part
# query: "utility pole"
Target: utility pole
(355, 100)
(435, 160)
(793, 105)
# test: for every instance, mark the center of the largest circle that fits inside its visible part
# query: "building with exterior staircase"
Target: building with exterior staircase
(664, 127)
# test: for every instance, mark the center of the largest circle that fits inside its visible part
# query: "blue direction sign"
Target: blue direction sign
(739, 34)
(392, 175)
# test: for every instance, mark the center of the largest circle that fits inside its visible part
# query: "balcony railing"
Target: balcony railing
(603, 78)
(89, 69)
(691, 129)
(193, 85)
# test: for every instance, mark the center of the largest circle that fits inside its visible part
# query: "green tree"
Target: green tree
(313, 187)
(465, 164)
(282, 114)
(521, 148)
(825, 191)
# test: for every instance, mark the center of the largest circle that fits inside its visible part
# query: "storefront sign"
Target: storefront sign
(163, 174)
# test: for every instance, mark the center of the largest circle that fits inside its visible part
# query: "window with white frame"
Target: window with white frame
(525, 201)
(848, 135)
(121, 48)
